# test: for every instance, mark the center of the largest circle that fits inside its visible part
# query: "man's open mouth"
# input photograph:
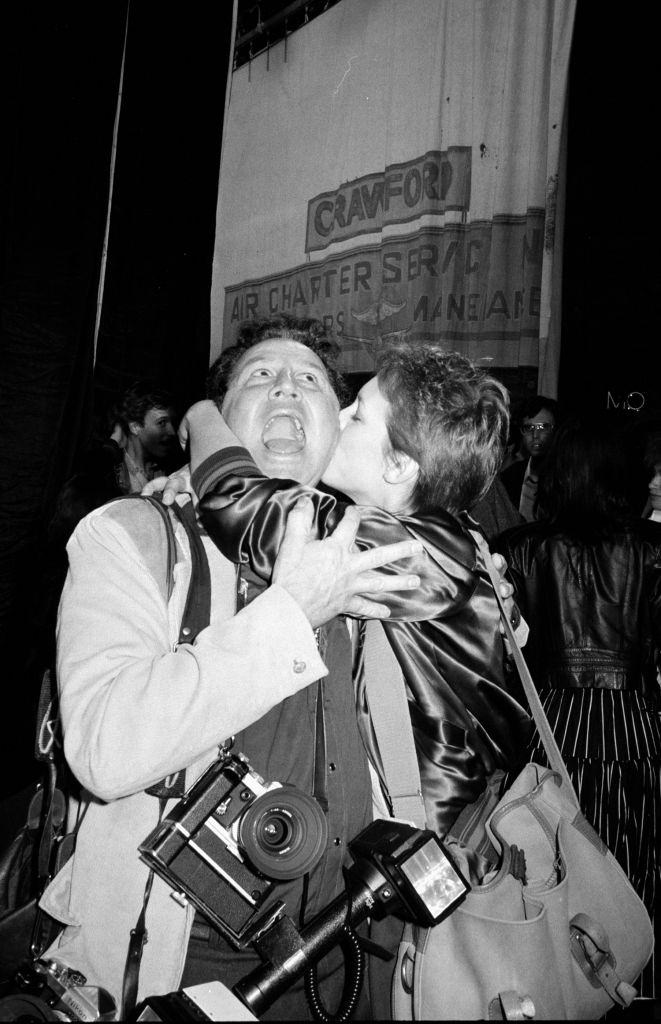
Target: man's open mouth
(284, 434)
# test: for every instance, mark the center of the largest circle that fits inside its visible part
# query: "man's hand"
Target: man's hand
(329, 577)
(176, 485)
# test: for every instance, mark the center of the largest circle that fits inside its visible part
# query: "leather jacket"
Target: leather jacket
(594, 609)
(467, 710)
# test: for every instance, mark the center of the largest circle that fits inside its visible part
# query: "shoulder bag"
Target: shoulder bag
(556, 931)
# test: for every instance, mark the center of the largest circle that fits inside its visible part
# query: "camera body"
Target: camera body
(49, 990)
(230, 839)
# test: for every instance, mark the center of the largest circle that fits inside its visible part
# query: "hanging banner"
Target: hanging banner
(395, 169)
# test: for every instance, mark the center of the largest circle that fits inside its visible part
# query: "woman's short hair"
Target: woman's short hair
(448, 415)
(306, 330)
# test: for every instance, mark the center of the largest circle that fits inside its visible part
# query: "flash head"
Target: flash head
(421, 875)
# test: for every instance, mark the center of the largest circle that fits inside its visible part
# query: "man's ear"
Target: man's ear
(400, 468)
(135, 427)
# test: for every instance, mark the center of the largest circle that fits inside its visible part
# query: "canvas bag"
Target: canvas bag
(39, 849)
(566, 944)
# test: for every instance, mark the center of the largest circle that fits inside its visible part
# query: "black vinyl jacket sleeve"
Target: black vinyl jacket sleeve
(467, 710)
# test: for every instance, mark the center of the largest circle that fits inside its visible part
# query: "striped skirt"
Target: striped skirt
(610, 741)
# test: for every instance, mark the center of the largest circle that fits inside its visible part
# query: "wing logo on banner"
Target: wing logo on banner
(374, 316)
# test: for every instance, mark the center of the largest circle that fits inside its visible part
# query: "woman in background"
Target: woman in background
(588, 581)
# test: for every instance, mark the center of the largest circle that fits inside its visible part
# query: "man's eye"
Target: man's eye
(309, 378)
(261, 371)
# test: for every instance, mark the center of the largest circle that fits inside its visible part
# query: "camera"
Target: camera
(48, 990)
(398, 869)
(229, 841)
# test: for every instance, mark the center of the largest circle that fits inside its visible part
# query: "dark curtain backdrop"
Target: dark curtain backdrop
(155, 319)
(611, 279)
(60, 70)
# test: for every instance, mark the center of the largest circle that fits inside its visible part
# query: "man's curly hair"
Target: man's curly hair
(137, 400)
(306, 330)
(448, 415)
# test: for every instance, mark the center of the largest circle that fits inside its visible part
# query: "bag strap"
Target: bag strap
(389, 712)
(541, 721)
(197, 611)
(388, 705)
(54, 847)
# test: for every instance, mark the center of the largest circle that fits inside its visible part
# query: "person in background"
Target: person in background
(652, 508)
(142, 444)
(537, 421)
(145, 434)
(588, 581)
(495, 513)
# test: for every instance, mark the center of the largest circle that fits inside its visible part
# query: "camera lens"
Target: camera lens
(283, 833)
(277, 830)
(25, 1007)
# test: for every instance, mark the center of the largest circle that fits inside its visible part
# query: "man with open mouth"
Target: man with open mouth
(138, 706)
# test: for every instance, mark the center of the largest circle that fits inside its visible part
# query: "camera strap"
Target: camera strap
(196, 617)
(137, 943)
(320, 788)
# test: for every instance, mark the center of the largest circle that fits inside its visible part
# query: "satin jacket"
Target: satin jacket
(467, 710)
(594, 609)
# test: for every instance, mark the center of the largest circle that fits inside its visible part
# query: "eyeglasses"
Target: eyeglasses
(537, 428)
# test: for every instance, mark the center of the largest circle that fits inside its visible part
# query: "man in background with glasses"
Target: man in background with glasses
(537, 422)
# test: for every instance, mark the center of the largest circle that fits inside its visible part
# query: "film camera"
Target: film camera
(48, 990)
(231, 839)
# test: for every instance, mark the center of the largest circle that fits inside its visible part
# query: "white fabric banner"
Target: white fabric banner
(395, 168)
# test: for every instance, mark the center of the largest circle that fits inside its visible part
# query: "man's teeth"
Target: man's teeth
(284, 416)
(283, 433)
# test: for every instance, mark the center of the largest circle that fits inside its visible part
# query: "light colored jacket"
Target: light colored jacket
(136, 708)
